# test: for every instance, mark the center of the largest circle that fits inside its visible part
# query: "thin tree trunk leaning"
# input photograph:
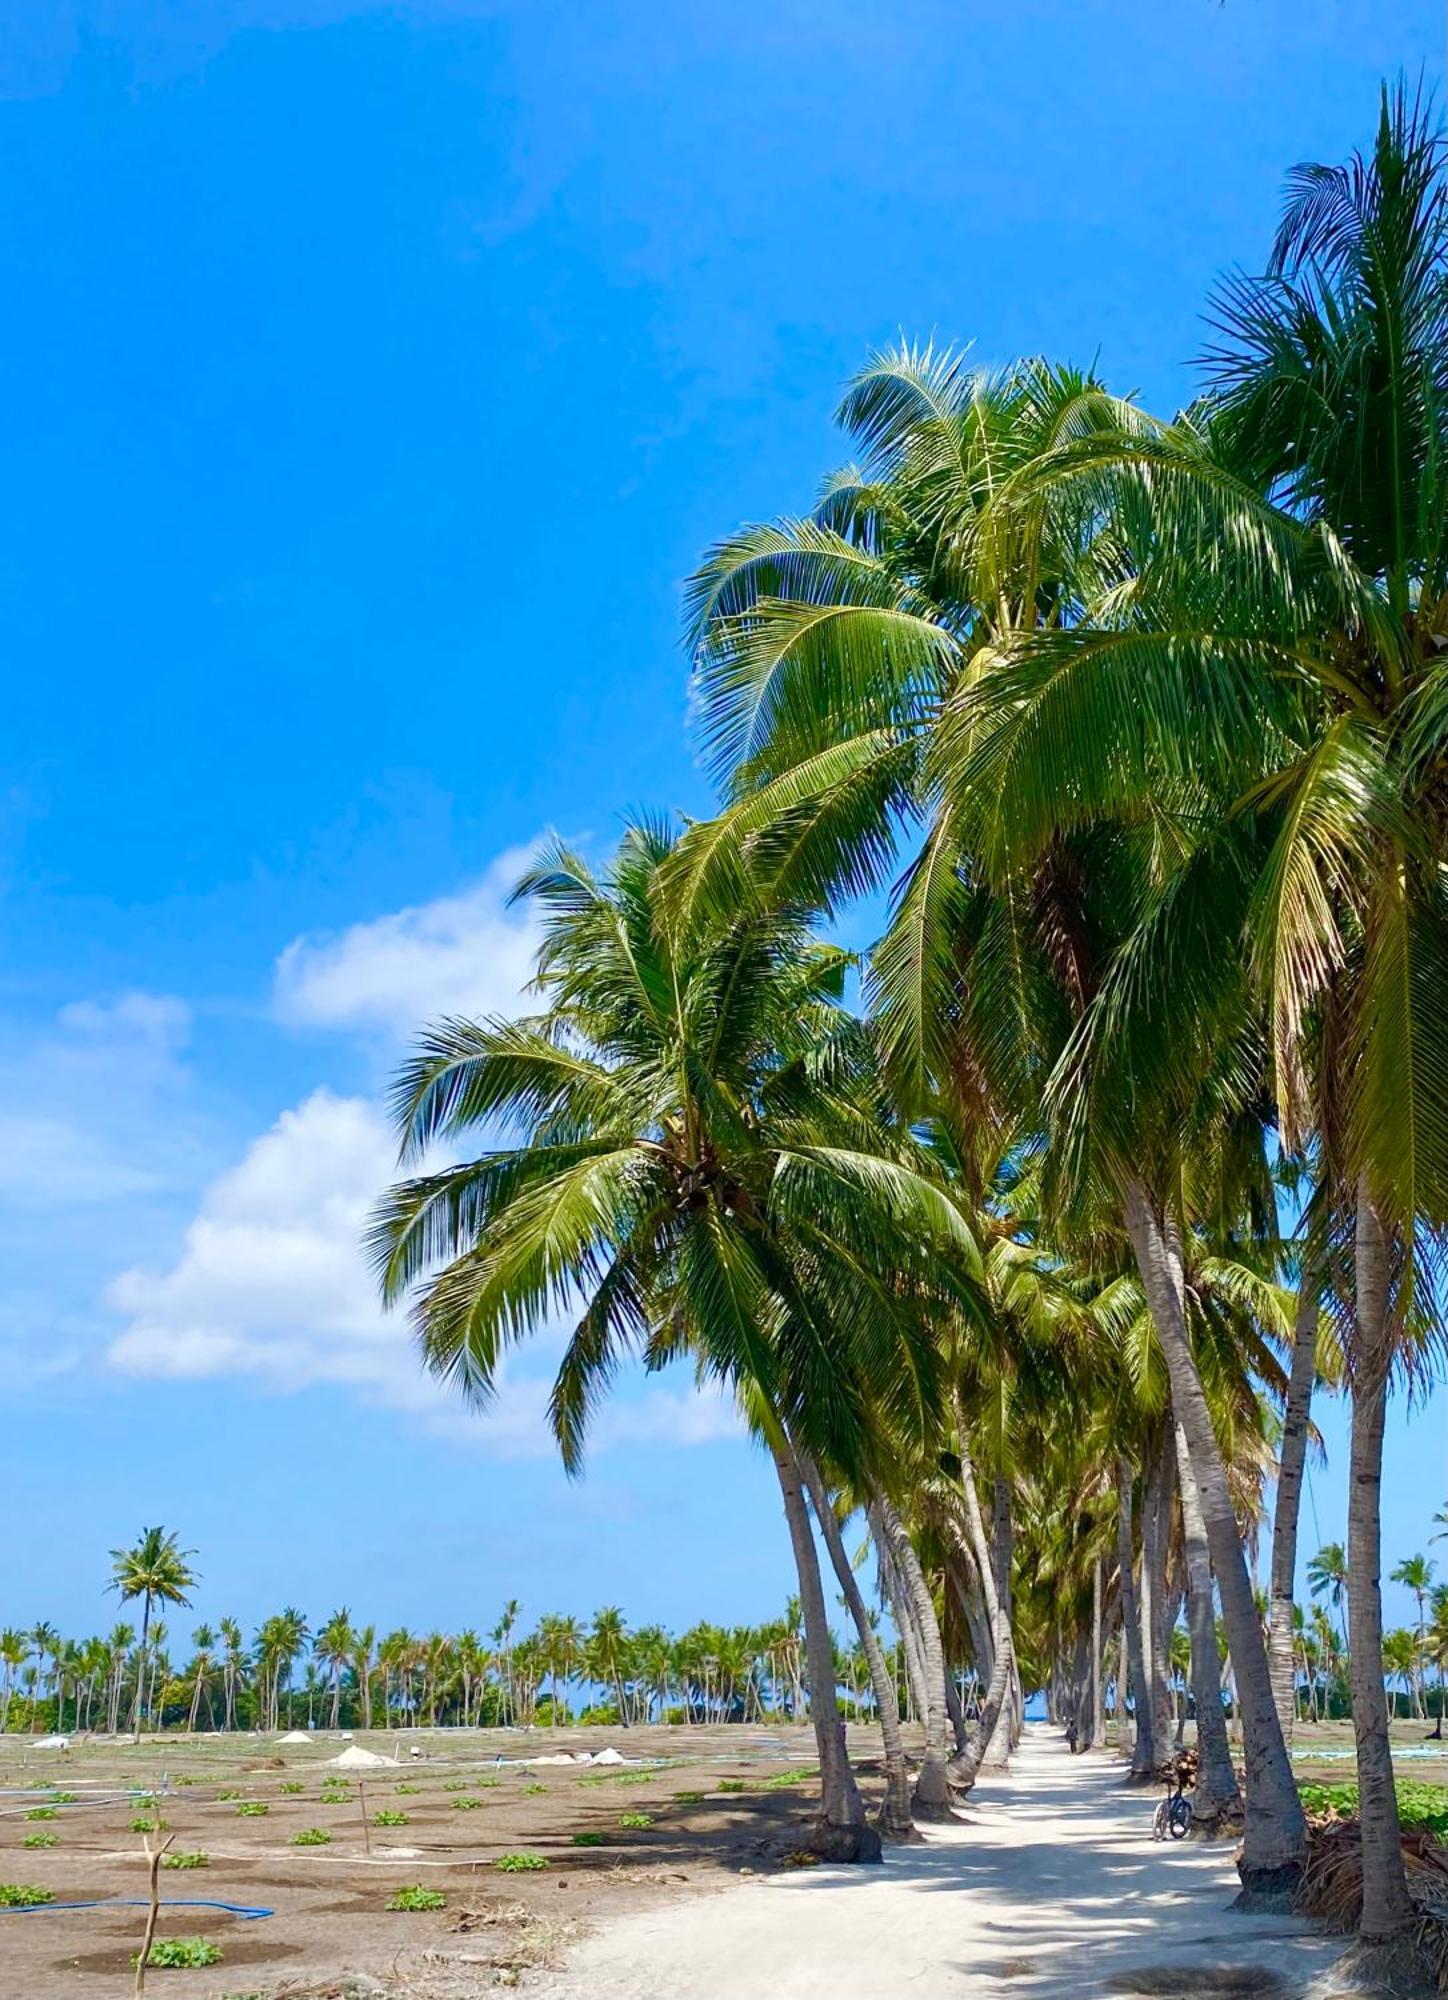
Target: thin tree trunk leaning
(931, 1798)
(1387, 1913)
(1281, 1638)
(841, 1833)
(1007, 1731)
(996, 1707)
(1216, 1793)
(1135, 1660)
(1155, 1621)
(1097, 1733)
(895, 1819)
(1275, 1829)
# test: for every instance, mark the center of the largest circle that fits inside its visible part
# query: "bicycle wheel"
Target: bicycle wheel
(1160, 1820)
(1180, 1819)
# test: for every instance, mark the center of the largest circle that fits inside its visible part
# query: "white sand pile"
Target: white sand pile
(295, 1736)
(609, 1756)
(355, 1757)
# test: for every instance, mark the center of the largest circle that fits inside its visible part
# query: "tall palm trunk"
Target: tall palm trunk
(895, 1818)
(842, 1833)
(1006, 1732)
(964, 1769)
(1281, 1638)
(1097, 1734)
(1275, 1829)
(1216, 1792)
(1387, 1912)
(1155, 1625)
(141, 1664)
(931, 1799)
(1135, 1652)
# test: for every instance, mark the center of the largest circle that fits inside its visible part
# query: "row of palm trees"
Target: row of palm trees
(1141, 1130)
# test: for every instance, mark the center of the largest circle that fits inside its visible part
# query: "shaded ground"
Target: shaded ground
(1050, 1887)
(328, 1901)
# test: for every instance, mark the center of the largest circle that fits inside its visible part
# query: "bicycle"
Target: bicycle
(1173, 1817)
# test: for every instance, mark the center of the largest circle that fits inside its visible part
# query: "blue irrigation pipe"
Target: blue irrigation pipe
(244, 1911)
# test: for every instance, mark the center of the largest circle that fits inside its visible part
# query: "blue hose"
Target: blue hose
(242, 1910)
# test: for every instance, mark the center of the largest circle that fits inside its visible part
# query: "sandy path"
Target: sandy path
(1053, 1887)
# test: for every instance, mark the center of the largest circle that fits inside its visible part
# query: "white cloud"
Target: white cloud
(272, 1285)
(463, 954)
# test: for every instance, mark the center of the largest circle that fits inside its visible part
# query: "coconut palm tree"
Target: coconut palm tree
(158, 1571)
(334, 1645)
(703, 1161)
(1415, 1573)
(204, 1640)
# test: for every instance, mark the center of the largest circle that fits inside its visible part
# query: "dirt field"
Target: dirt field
(464, 1812)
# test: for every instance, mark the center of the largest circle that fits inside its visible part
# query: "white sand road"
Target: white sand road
(1050, 1886)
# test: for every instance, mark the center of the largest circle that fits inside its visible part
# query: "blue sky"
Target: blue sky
(373, 375)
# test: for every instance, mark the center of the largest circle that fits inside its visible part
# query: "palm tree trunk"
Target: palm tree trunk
(895, 1819)
(1387, 1912)
(1155, 1633)
(931, 1798)
(1275, 1829)
(141, 1664)
(842, 1833)
(1006, 1733)
(1098, 1712)
(1216, 1792)
(1293, 1458)
(1141, 1759)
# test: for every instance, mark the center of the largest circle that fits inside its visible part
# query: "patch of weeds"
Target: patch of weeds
(62, 1798)
(466, 1805)
(636, 1819)
(588, 1840)
(184, 1857)
(144, 1823)
(486, 1784)
(180, 1952)
(783, 1778)
(688, 1798)
(732, 1785)
(253, 1809)
(532, 1791)
(292, 1785)
(186, 1781)
(40, 1840)
(409, 1788)
(456, 1785)
(389, 1819)
(223, 1797)
(42, 1812)
(417, 1898)
(312, 1836)
(19, 1895)
(519, 1864)
(632, 1778)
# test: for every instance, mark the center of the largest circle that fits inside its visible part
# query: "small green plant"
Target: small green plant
(417, 1898)
(688, 1798)
(40, 1840)
(293, 1785)
(731, 1784)
(636, 1819)
(144, 1823)
(389, 1819)
(180, 1952)
(588, 1840)
(486, 1784)
(532, 1791)
(519, 1864)
(186, 1781)
(456, 1785)
(42, 1812)
(223, 1797)
(336, 1798)
(781, 1779)
(62, 1798)
(631, 1778)
(312, 1836)
(252, 1809)
(20, 1895)
(466, 1805)
(183, 1857)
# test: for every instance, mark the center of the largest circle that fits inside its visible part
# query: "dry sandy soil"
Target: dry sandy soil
(327, 1903)
(1049, 1886)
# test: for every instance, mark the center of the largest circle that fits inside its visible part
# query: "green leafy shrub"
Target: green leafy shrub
(417, 1898)
(312, 1836)
(1418, 1805)
(636, 1819)
(185, 1857)
(519, 1864)
(466, 1805)
(389, 1819)
(588, 1840)
(409, 1788)
(19, 1895)
(253, 1809)
(40, 1840)
(293, 1785)
(42, 1812)
(143, 1823)
(180, 1952)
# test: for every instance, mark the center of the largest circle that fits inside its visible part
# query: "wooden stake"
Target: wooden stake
(366, 1828)
(154, 1910)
